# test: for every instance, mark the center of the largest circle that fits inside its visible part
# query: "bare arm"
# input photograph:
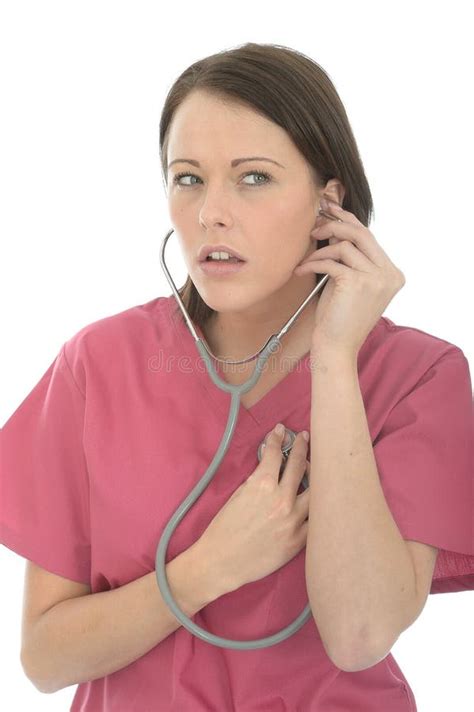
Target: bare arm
(360, 576)
(86, 638)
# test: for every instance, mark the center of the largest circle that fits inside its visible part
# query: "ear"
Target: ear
(334, 190)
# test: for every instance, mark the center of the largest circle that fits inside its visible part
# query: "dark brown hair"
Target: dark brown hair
(295, 93)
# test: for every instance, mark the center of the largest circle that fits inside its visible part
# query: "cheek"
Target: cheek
(179, 216)
(187, 252)
(280, 257)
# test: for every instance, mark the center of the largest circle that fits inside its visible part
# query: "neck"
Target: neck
(236, 335)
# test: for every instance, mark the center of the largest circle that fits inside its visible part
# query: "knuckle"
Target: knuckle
(401, 278)
(286, 507)
(281, 509)
(266, 482)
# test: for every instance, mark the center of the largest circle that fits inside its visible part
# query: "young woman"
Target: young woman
(125, 421)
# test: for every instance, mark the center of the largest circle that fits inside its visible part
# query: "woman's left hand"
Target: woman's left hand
(362, 281)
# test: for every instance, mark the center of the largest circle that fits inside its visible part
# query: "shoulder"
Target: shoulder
(413, 337)
(409, 351)
(117, 339)
(405, 365)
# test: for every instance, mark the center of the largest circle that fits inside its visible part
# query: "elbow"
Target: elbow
(42, 685)
(357, 656)
(351, 653)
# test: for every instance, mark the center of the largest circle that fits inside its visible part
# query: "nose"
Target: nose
(214, 210)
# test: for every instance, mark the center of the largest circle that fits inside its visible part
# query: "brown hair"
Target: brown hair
(295, 93)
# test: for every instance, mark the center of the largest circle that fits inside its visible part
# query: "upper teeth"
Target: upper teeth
(220, 255)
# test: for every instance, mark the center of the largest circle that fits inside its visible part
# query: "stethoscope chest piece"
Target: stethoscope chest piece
(288, 440)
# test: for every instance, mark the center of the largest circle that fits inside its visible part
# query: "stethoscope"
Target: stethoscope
(272, 345)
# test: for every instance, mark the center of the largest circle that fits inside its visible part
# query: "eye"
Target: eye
(182, 175)
(265, 175)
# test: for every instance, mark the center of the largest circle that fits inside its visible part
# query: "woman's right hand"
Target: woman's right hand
(263, 524)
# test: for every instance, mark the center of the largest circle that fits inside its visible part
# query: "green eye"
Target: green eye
(182, 175)
(258, 173)
(267, 177)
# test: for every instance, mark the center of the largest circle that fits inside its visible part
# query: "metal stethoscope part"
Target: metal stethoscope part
(271, 345)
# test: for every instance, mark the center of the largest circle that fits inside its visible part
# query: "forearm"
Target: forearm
(92, 636)
(359, 573)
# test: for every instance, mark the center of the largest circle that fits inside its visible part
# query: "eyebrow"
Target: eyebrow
(233, 163)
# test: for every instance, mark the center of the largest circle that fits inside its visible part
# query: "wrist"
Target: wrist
(328, 357)
(215, 582)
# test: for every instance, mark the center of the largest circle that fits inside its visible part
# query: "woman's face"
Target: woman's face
(266, 220)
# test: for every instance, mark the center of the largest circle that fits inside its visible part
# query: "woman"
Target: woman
(125, 421)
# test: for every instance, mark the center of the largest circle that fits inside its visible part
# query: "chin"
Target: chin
(226, 302)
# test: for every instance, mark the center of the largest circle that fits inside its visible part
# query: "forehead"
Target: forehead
(203, 121)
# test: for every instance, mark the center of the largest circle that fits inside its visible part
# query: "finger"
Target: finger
(302, 506)
(323, 218)
(344, 251)
(331, 267)
(301, 536)
(272, 454)
(295, 467)
(334, 210)
(360, 236)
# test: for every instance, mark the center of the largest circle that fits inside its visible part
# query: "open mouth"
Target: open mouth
(226, 259)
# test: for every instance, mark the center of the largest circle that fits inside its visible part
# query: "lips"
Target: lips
(222, 268)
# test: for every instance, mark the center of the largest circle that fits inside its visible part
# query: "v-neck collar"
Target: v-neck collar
(284, 402)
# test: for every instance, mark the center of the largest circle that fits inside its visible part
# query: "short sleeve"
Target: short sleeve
(424, 455)
(44, 487)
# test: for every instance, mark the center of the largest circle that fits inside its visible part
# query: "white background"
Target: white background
(83, 207)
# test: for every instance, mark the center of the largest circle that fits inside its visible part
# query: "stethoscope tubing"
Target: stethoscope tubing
(272, 345)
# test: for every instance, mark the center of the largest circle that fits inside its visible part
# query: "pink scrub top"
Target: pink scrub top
(119, 430)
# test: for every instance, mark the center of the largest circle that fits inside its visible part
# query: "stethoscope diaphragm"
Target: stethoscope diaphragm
(287, 444)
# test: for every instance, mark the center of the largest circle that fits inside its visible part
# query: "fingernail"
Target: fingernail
(279, 429)
(305, 435)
